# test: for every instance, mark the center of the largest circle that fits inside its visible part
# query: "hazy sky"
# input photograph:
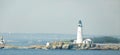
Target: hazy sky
(99, 17)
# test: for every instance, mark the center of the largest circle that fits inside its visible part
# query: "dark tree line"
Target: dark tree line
(106, 39)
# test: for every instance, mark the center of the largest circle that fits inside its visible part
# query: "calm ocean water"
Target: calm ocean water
(57, 52)
(21, 39)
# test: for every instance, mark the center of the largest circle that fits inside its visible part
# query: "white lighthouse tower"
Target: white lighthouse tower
(79, 33)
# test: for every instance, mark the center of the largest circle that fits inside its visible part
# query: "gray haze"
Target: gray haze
(99, 17)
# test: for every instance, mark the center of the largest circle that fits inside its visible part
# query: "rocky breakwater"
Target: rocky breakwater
(53, 45)
(69, 46)
(107, 46)
(83, 46)
(25, 47)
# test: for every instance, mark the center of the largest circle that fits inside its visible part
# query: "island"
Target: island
(78, 44)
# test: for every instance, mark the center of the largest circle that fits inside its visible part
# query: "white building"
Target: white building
(79, 33)
(87, 41)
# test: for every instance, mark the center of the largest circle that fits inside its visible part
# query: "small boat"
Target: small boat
(2, 42)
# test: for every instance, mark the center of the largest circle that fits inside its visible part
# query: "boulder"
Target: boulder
(66, 46)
